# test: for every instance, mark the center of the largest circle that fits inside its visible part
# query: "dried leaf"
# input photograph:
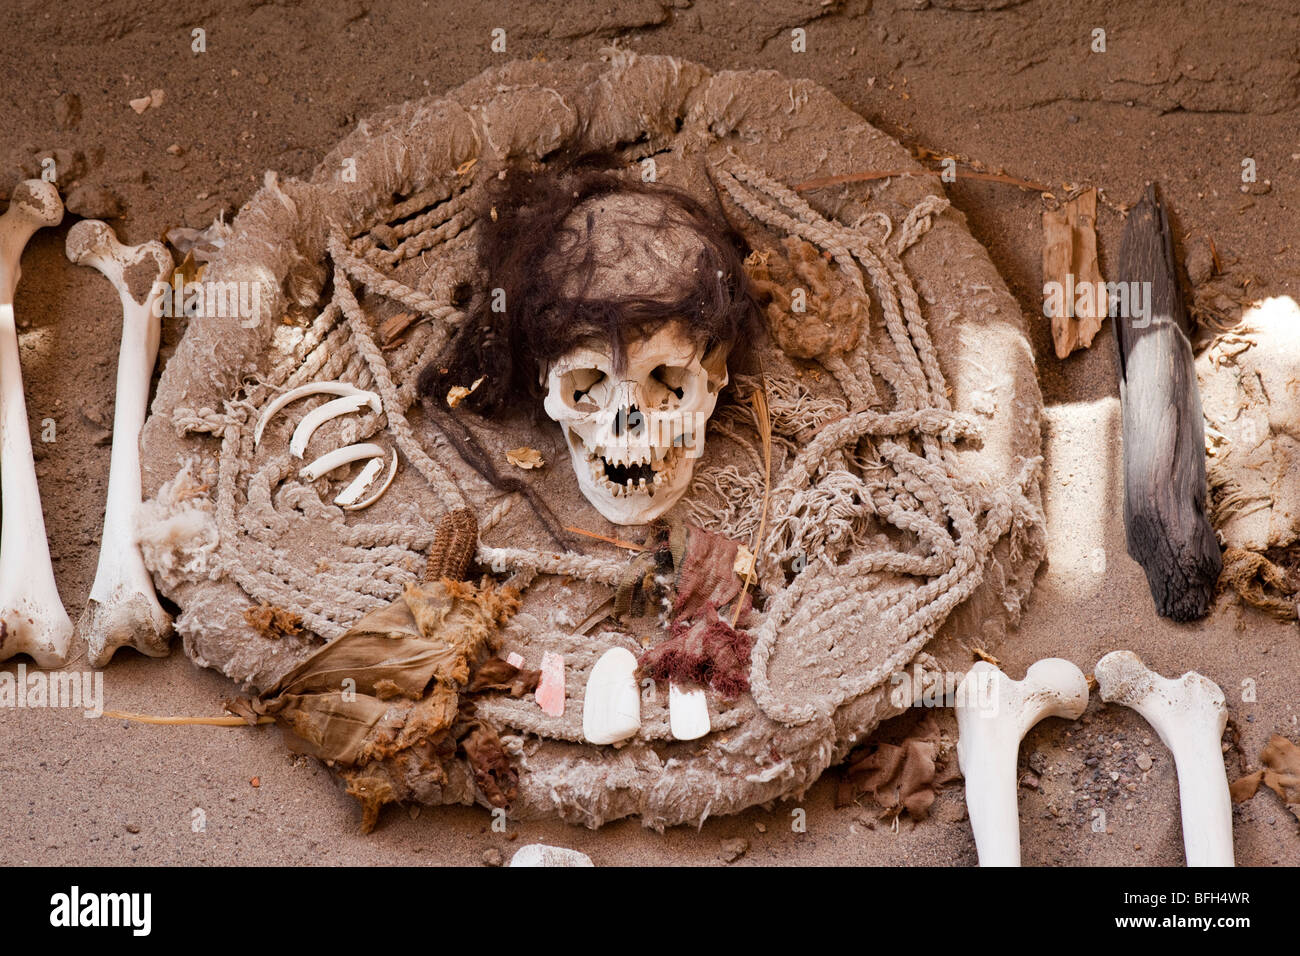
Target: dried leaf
(900, 777)
(744, 563)
(812, 311)
(188, 271)
(458, 393)
(1243, 788)
(1281, 774)
(498, 674)
(525, 457)
(496, 778)
(272, 622)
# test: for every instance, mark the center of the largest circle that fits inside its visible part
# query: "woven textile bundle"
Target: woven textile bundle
(904, 515)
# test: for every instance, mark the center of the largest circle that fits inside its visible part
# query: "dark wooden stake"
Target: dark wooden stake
(1165, 521)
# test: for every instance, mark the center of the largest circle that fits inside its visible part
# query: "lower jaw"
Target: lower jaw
(636, 508)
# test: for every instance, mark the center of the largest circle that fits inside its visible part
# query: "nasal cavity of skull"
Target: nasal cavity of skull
(628, 422)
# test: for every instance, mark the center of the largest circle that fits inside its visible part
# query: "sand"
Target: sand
(1180, 97)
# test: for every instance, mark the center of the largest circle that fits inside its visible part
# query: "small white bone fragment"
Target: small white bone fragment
(317, 417)
(340, 457)
(33, 620)
(611, 709)
(302, 391)
(360, 483)
(1189, 713)
(550, 689)
(993, 713)
(123, 609)
(379, 493)
(688, 712)
(539, 854)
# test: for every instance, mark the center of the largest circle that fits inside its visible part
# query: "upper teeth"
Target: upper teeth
(662, 462)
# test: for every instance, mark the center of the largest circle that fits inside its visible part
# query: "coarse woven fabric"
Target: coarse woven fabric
(905, 518)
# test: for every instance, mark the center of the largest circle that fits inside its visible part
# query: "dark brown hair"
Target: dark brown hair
(528, 249)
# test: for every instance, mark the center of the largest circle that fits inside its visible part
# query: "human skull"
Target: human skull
(634, 434)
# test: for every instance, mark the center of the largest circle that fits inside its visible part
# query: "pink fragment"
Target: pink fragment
(515, 660)
(550, 689)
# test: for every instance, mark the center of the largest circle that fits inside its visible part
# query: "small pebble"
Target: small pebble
(133, 828)
(492, 857)
(1144, 761)
(67, 111)
(732, 850)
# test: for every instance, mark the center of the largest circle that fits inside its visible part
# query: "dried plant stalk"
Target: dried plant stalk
(454, 545)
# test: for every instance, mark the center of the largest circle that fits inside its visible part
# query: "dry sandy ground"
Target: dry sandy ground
(1183, 93)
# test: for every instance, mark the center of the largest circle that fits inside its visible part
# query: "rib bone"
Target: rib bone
(123, 610)
(302, 391)
(993, 713)
(1189, 714)
(319, 416)
(33, 620)
(340, 457)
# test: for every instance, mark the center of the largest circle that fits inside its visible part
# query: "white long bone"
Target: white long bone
(993, 713)
(33, 620)
(123, 610)
(302, 391)
(1189, 713)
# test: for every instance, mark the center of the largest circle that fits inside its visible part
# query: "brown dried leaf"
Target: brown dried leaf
(1243, 788)
(188, 271)
(525, 457)
(272, 622)
(811, 310)
(1281, 774)
(496, 673)
(496, 778)
(458, 393)
(899, 777)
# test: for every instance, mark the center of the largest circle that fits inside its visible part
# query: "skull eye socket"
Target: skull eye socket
(673, 378)
(576, 384)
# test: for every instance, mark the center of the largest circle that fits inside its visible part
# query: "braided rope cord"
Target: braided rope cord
(832, 491)
(849, 469)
